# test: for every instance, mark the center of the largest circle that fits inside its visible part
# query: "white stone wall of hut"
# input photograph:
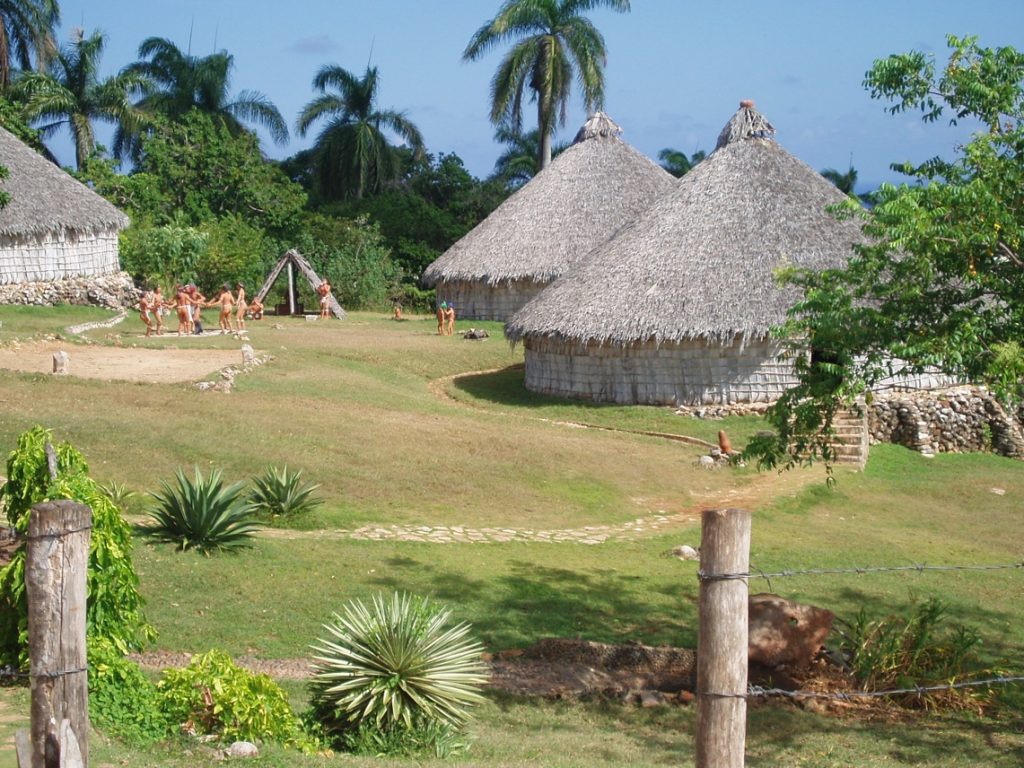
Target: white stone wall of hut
(686, 373)
(58, 255)
(479, 301)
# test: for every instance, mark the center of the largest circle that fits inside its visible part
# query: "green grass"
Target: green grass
(368, 409)
(24, 323)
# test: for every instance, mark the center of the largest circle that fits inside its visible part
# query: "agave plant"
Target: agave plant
(202, 514)
(280, 493)
(394, 665)
(119, 493)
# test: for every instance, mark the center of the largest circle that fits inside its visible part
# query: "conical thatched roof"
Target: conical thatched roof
(587, 193)
(700, 262)
(46, 199)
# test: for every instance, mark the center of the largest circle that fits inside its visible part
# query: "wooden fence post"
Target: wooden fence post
(722, 639)
(55, 569)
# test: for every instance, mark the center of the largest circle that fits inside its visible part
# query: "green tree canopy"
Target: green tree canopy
(26, 30)
(70, 93)
(553, 44)
(677, 163)
(940, 285)
(352, 156)
(180, 82)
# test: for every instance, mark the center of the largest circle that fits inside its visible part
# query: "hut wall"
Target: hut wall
(687, 373)
(58, 255)
(477, 300)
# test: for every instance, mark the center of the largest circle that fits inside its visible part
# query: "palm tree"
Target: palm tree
(844, 181)
(70, 93)
(26, 27)
(677, 163)
(352, 156)
(554, 44)
(519, 162)
(181, 82)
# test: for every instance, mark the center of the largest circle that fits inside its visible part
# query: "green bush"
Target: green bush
(202, 514)
(280, 493)
(394, 668)
(114, 605)
(899, 652)
(123, 702)
(212, 695)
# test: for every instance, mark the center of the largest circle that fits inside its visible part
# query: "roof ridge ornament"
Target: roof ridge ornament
(598, 125)
(747, 123)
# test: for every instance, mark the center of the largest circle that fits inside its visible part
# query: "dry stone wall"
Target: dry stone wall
(955, 420)
(113, 291)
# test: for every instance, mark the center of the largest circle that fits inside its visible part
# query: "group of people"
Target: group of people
(445, 319)
(188, 303)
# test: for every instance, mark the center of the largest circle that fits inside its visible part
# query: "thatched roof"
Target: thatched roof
(587, 193)
(44, 198)
(700, 262)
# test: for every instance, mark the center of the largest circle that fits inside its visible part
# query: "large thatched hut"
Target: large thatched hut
(587, 193)
(677, 307)
(53, 227)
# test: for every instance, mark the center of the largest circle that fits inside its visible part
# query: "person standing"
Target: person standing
(449, 320)
(442, 310)
(145, 307)
(242, 307)
(324, 289)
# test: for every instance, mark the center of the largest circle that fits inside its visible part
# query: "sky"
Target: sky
(676, 70)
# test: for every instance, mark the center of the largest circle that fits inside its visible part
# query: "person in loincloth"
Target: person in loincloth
(324, 290)
(145, 308)
(442, 309)
(183, 306)
(198, 302)
(256, 309)
(449, 320)
(159, 309)
(226, 301)
(242, 307)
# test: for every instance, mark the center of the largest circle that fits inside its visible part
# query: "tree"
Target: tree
(677, 163)
(845, 182)
(26, 28)
(181, 82)
(70, 93)
(940, 283)
(520, 161)
(553, 44)
(352, 156)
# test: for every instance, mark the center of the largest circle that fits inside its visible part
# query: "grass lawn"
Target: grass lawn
(376, 411)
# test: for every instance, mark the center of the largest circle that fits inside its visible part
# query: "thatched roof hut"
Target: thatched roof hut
(54, 227)
(677, 307)
(587, 193)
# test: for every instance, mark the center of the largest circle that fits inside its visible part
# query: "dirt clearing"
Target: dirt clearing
(153, 366)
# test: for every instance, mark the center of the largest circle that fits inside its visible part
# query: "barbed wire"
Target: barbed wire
(861, 570)
(756, 691)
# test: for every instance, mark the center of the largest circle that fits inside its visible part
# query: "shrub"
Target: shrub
(202, 514)
(213, 695)
(280, 493)
(114, 605)
(392, 668)
(123, 702)
(897, 652)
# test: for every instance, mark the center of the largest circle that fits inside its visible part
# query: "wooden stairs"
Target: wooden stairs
(851, 437)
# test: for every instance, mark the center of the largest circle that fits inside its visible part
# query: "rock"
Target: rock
(784, 633)
(723, 442)
(242, 749)
(649, 699)
(706, 462)
(475, 334)
(61, 361)
(248, 354)
(685, 552)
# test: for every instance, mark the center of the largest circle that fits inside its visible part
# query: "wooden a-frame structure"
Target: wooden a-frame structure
(293, 260)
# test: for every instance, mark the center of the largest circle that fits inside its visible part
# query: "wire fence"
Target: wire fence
(756, 691)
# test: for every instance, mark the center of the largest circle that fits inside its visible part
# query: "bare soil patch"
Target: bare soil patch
(152, 366)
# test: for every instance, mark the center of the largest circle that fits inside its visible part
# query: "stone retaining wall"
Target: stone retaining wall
(114, 291)
(955, 420)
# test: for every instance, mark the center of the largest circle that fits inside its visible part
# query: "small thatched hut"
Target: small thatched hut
(54, 227)
(587, 193)
(677, 307)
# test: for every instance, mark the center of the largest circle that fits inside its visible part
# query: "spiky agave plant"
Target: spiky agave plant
(394, 665)
(202, 514)
(280, 493)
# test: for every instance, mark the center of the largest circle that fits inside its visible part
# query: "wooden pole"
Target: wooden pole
(55, 568)
(722, 639)
(291, 288)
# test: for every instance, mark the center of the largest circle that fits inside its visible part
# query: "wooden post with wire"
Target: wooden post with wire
(55, 569)
(722, 638)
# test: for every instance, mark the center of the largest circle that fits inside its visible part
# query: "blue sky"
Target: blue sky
(676, 70)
